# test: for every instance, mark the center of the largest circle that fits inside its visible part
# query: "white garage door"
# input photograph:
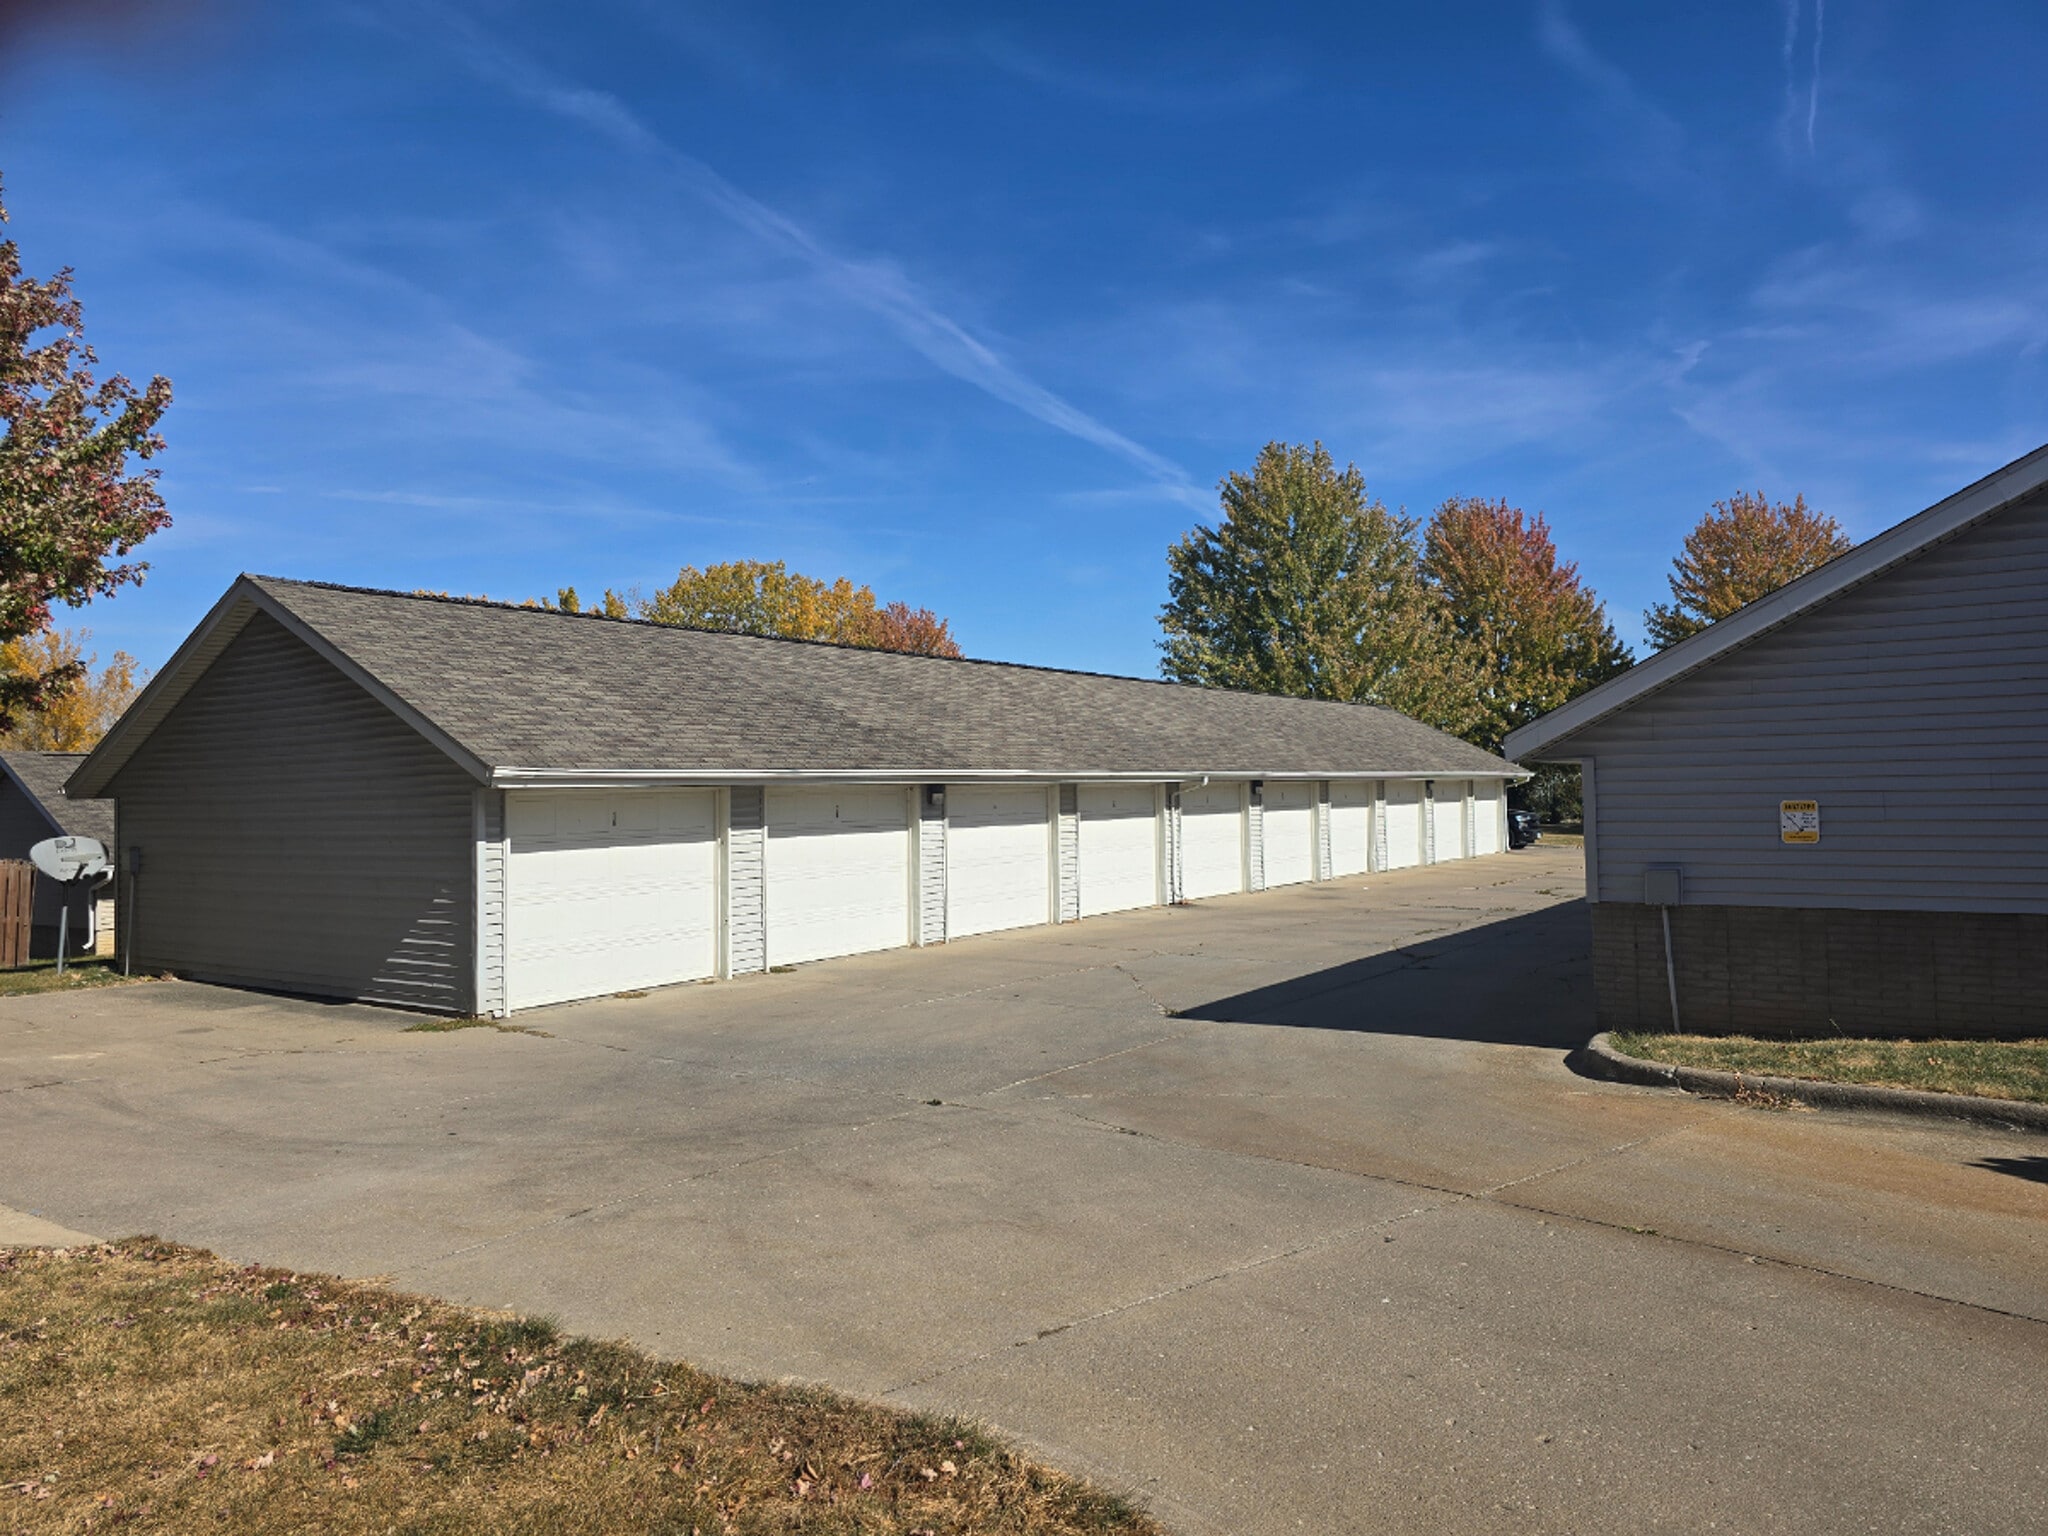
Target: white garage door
(608, 891)
(1290, 834)
(1486, 817)
(1450, 820)
(1404, 823)
(838, 872)
(1211, 840)
(1350, 827)
(1119, 847)
(998, 858)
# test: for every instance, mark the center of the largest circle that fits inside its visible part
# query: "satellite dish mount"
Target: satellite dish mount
(76, 863)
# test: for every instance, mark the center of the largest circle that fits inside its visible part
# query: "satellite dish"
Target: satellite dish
(70, 858)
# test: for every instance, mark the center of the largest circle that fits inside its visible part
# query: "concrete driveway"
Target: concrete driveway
(1281, 1212)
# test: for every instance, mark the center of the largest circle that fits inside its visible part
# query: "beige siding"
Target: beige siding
(296, 835)
(1911, 708)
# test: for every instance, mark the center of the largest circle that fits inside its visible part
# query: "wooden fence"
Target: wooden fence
(17, 908)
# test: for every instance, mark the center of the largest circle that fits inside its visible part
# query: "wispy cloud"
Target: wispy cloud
(1646, 129)
(1820, 17)
(1802, 88)
(1160, 89)
(879, 287)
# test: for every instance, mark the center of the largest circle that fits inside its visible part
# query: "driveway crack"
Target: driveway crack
(1312, 1245)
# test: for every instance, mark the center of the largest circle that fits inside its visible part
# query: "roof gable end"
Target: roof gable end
(1947, 519)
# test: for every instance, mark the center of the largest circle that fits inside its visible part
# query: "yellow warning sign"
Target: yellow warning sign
(1798, 821)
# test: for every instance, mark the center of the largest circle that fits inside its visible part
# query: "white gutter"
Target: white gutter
(620, 778)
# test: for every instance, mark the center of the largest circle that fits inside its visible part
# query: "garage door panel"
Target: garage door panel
(608, 891)
(1350, 827)
(1404, 824)
(838, 872)
(998, 858)
(1449, 811)
(1289, 834)
(1212, 841)
(1119, 847)
(1486, 819)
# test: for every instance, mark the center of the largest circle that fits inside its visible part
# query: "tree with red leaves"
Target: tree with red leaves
(1535, 635)
(1744, 549)
(69, 499)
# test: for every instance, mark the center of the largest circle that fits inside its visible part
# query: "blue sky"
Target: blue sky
(977, 305)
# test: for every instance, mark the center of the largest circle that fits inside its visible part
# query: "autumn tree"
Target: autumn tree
(754, 597)
(1744, 549)
(1310, 586)
(72, 507)
(72, 719)
(1535, 635)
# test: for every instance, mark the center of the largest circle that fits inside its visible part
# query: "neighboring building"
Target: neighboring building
(34, 808)
(1839, 793)
(477, 807)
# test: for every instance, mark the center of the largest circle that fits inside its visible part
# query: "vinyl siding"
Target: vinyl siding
(931, 872)
(746, 882)
(490, 902)
(1068, 898)
(1322, 814)
(22, 826)
(1175, 887)
(296, 835)
(1914, 709)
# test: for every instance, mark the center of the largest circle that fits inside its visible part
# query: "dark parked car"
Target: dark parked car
(1523, 828)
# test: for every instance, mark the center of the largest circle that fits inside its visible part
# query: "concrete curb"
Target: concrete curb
(1598, 1058)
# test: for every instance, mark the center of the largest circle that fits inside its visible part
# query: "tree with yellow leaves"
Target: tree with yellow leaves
(762, 597)
(75, 719)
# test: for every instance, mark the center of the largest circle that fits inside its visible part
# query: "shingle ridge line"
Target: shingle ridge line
(830, 645)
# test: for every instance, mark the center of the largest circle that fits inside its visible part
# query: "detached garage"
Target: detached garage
(477, 808)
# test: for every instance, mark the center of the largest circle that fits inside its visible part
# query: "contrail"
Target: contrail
(875, 287)
(1820, 14)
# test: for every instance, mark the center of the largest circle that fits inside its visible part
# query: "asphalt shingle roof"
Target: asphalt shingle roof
(532, 688)
(43, 774)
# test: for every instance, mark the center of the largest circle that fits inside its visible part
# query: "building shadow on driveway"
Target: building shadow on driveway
(1523, 980)
(2033, 1168)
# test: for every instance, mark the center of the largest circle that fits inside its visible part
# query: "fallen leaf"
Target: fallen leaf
(257, 1463)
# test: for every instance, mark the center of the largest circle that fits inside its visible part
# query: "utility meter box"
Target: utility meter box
(1662, 885)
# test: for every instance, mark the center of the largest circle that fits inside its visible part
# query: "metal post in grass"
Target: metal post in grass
(1662, 887)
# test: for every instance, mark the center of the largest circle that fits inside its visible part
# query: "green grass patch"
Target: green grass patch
(449, 1026)
(1992, 1069)
(150, 1387)
(41, 976)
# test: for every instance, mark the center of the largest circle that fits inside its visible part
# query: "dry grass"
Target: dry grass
(149, 1387)
(1992, 1069)
(41, 976)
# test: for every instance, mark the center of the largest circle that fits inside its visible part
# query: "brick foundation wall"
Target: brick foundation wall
(1777, 971)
